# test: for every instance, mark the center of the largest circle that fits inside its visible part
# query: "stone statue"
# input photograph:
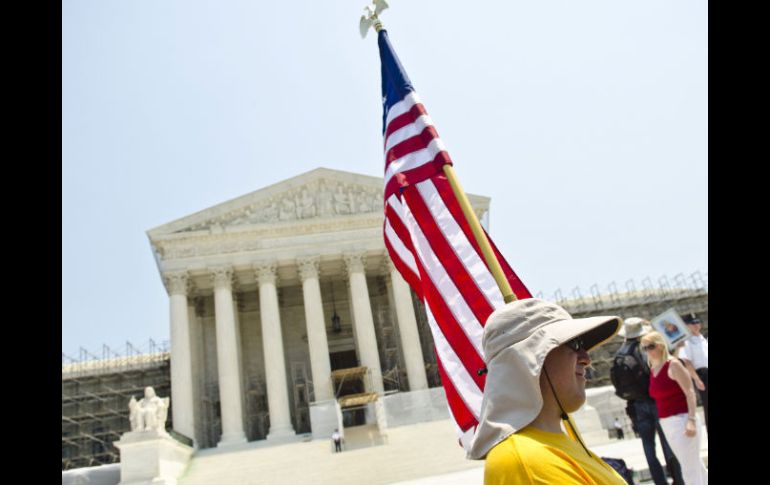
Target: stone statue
(150, 413)
(376, 202)
(306, 205)
(363, 205)
(325, 202)
(269, 213)
(341, 204)
(287, 210)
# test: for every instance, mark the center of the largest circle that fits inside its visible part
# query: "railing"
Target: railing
(110, 360)
(681, 288)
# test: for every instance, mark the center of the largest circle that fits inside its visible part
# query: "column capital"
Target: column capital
(177, 283)
(266, 272)
(354, 262)
(308, 267)
(387, 264)
(221, 276)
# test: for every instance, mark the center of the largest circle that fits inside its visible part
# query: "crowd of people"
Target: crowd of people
(659, 390)
(536, 356)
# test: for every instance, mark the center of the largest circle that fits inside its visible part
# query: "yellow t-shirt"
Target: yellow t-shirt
(533, 456)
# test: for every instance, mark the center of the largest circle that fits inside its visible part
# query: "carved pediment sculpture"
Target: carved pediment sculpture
(319, 195)
(317, 199)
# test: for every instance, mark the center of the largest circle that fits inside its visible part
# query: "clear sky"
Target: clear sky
(586, 123)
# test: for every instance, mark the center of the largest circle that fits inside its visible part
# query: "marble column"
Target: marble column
(198, 372)
(407, 329)
(272, 342)
(366, 341)
(316, 329)
(182, 408)
(237, 307)
(230, 389)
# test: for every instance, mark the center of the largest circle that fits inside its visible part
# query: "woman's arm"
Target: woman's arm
(694, 375)
(677, 372)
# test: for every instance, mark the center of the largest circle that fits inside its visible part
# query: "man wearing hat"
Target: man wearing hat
(630, 375)
(695, 355)
(536, 356)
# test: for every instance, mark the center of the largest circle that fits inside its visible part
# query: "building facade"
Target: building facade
(272, 293)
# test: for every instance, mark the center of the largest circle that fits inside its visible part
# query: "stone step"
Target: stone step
(406, 452)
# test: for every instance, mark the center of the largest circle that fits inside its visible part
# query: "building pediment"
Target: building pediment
(322, 207)
(315, 195)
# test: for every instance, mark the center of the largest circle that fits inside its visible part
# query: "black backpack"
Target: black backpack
(629, 373)
(620, 466)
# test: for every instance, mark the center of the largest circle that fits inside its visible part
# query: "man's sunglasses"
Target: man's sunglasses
(649, 347)
(577, 344)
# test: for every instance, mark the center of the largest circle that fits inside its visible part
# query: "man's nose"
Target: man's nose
(583, 357)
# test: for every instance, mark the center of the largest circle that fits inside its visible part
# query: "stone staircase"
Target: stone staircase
(410, 453)
(405, 453)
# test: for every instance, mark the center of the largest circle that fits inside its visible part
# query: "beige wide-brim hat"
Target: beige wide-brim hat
(516, 340)
(634, 327)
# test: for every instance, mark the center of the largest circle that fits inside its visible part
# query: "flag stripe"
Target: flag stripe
(398, 245)
(451, 330)
(472, 261)
(448, 260)
(451, 203)
(401, 107)
(396, 218)
(462, 350)
(458, 375)
(414, 159)
(416, 175)
(457, 406)
(414, 113)
(412, 279)
(394, 215)
(434, 270)
(424, 135)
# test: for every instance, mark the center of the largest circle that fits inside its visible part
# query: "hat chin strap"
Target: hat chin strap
(569, 425)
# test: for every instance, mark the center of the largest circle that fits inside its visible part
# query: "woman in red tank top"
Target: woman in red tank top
(672, 389)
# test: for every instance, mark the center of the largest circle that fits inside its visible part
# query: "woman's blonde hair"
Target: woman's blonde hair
(656, 338)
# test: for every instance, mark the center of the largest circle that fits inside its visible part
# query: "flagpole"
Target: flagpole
(481, 238)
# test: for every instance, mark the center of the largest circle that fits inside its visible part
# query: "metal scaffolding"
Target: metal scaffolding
(355, 399)
(685, 294)
(95, 395)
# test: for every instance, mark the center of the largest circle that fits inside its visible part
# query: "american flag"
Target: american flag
(431, 244)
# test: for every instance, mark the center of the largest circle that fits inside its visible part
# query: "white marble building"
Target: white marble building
(253, 284)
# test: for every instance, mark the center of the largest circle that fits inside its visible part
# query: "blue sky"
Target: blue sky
(585, 122)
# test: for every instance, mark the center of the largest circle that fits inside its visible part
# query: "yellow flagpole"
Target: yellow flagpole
(481, 238)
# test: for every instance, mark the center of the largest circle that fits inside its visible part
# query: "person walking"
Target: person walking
(672, 389)
(630, 375)
(618, 428)
(695, 355)
(337, 438)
